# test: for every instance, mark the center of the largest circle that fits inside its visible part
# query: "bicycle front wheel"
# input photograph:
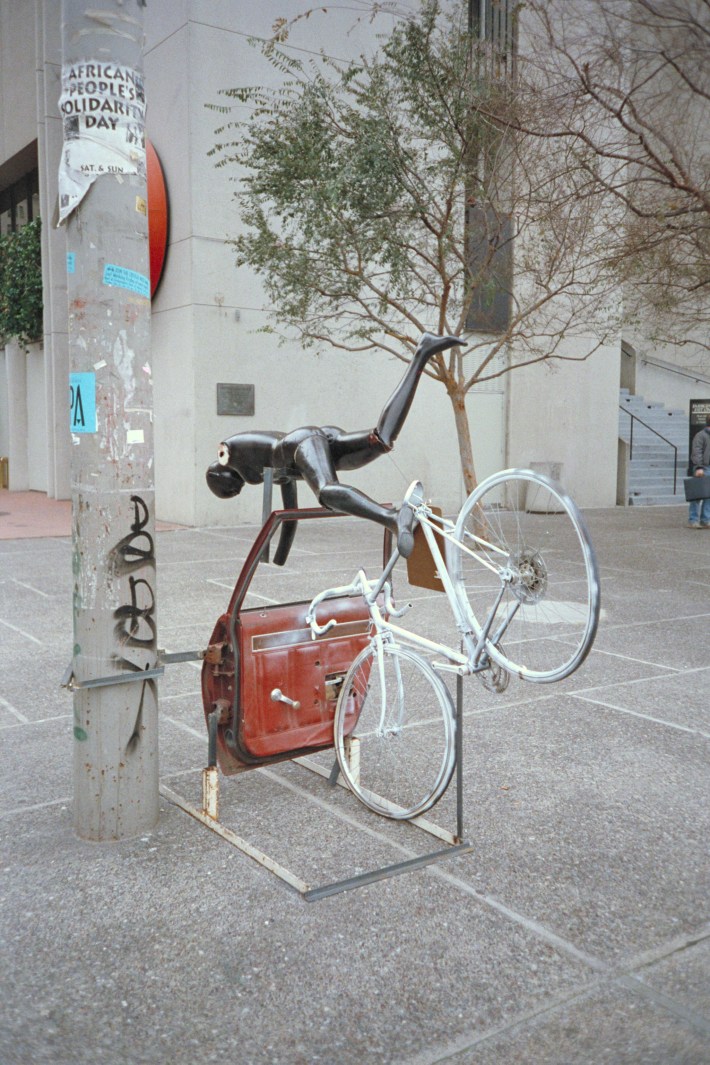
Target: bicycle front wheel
(523, 554)
(394, 731)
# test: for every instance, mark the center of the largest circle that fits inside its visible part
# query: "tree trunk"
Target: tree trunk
(463, 435)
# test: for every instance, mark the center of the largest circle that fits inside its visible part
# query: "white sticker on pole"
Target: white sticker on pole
(103, 114)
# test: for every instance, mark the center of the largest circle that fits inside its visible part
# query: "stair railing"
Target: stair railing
(635, 418)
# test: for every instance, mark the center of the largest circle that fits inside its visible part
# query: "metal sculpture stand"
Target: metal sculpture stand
(208, 815)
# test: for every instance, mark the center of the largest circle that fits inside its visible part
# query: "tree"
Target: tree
(21, 285)
(383, 197)
(629, 84)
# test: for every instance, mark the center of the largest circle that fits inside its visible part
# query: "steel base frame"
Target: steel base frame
(456, 845)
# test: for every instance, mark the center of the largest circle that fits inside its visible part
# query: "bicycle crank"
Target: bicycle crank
(494, 678)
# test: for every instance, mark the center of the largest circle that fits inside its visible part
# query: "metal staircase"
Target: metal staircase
(658, 450)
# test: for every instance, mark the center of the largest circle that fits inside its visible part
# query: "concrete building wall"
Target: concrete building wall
(672, 385)
(566, 412)
(54, 262)
(17, 76)
(37, 454)
(4, 428)
(207, 314)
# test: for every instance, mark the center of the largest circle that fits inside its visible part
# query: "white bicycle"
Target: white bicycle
(520, 574)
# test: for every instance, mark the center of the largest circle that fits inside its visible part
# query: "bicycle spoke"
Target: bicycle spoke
(548, 575)
(405, 753)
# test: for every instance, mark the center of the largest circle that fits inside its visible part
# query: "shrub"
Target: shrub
(21, 284)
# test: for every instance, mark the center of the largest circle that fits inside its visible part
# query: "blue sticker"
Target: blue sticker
(121, 277)
(82, 402)
(71, 262)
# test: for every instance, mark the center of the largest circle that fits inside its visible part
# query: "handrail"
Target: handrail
(683, 371)
(635, 418)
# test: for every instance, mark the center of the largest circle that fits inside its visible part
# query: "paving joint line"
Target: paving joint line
(39, 721)
(578, 994)
(31, 588)
(22, 632)
(644, 717)
(465, 1043)
(35, 806)
(21, 718)
(532, 926)
(685, 1013)
(655, 621)
(636, 680)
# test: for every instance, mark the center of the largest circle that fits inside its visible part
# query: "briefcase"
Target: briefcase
(696, 488)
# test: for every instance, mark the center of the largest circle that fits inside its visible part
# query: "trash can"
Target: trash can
(537, 501)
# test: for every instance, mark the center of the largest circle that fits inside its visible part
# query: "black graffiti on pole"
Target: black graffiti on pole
(136, 549)
(135, 629)
(77, 407)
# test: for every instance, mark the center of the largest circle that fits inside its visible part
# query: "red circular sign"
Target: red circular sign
(158, 216)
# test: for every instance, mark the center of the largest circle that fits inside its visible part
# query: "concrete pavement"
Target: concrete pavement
(577, 930)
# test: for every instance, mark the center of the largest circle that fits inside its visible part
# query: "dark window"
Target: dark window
(489, 237)
(489, 232)
(19, 203)
(495, 21)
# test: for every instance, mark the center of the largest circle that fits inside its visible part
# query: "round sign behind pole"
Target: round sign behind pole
(158, 216)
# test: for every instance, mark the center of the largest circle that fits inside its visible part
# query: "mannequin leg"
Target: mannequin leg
(288, 529)
(397, 406)
(314, 461)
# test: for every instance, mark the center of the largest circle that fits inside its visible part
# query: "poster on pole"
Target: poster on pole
(103, 116)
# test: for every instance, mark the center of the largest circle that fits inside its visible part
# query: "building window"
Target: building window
(495, 21)
(489, 229)
(19, 203)
(490, 248)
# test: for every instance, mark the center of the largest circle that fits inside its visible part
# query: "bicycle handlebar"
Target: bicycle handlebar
(414, 498)
(320, 630)
(360, 586)
(357, 586)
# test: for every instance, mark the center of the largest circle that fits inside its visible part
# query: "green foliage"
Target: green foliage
(21, 284)
(353, 179)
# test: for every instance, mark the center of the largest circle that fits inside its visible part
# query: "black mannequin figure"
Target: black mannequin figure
(314, 455)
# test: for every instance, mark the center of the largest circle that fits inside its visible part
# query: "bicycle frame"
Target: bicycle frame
(474, 659)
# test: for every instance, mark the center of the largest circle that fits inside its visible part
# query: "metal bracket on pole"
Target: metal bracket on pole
(180, 656)
(70, 682)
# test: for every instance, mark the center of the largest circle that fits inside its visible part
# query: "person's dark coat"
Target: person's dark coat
(700, 450)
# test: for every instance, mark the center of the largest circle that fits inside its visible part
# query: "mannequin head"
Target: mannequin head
(223, 482)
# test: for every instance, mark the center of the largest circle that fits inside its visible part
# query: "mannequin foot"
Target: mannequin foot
(405, 531)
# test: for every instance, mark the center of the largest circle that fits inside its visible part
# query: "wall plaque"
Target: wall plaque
(235, 399)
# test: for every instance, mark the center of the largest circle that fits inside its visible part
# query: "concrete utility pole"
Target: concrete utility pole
(102, 195)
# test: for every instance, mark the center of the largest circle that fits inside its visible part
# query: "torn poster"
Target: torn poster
(103, 115)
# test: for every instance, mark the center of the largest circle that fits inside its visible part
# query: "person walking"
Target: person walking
(699, 516)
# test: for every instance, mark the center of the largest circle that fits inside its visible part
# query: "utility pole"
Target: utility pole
(102, 200)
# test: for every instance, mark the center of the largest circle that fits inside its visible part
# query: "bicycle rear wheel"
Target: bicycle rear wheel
(394, 731)
(521, 548)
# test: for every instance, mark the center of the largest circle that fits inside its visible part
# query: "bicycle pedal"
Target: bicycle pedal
(450, 667)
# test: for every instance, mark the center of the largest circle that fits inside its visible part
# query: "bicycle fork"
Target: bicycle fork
(395, 726)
